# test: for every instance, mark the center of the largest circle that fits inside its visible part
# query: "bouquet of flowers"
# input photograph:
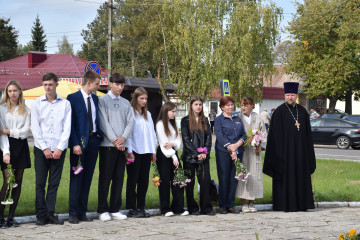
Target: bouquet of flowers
(156, 176)
(350, 235)
(254, 137)
(129, 159)
(79, 166)
(179, 177)
(241, 172)
(11, 184)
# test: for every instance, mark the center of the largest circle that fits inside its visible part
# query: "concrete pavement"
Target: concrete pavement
(327, 221)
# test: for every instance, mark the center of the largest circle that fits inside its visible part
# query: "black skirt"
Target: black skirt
(19, 154)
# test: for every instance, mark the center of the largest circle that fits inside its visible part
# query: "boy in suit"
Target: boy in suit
(84, 142)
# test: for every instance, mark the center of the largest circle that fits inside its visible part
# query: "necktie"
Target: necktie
(90, 115)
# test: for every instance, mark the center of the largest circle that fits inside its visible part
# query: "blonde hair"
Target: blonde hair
(6, 98)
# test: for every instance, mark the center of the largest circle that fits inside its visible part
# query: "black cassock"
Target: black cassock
(290, 159)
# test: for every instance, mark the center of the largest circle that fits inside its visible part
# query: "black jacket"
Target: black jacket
(193, 141)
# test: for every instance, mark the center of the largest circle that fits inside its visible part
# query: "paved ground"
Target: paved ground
(321, 223)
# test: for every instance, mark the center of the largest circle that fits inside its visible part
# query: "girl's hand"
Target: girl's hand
(168, 145)
(202, 156)
(153, 158)
(258, 149)
(232, 147)
(176, 163)
(6, 158)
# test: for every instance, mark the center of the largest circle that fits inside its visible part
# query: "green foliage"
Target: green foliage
(24, 49)
(38, 36)
(327, 46)
(64, 47)
(8, 40)
(185, 43)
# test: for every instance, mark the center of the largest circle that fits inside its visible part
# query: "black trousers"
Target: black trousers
(137, 181)
(45, 205)
(166, 170)
(203, 175)
(111, 170)
(80, 184)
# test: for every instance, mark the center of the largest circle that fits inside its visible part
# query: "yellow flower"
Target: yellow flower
(157, 178)
(352, 231)
(341, 237)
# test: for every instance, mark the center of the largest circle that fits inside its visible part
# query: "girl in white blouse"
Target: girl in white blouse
(16, 118)
(167, 161)
(142, 144)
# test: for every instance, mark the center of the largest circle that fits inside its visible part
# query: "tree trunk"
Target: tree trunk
(163, 91)
(133, 61)
(348, 101)
(332, 103)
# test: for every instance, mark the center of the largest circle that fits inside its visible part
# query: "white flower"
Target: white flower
(253, 142)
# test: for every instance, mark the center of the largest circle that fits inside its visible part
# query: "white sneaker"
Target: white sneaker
(118, 216)
(246, 209)
(252, 208)
(104, 217)
(169, 214)
(185, 213)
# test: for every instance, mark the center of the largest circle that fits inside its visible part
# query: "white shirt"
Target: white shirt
(247, 118)
(51, 123)
(143, 138)
(4, 140)
(93, 109)
(19, 125)
(162, 139)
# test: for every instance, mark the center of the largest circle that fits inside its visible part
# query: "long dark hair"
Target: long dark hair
(164, 117)
(137, 93)
(200, 124)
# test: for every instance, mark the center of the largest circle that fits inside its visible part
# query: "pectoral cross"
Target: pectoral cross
(297, 124)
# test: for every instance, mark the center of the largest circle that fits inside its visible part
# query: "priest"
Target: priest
(290, 157)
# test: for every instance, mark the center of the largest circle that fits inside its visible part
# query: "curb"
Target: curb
(155, 212)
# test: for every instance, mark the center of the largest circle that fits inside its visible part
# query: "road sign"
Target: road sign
(224, 87)
(95, 66)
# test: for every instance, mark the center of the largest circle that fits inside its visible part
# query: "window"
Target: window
(331, 123)
(316, 122)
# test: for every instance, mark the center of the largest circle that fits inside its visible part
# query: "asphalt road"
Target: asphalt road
(332, 152)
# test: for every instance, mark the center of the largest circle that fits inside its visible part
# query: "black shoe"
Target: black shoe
(73, 220)
(132, 213)
(52, 219)
(40, 221)
(12, 223)
(3, 224)
(195, 213)
(84, 218)
(232, 210)
(143, 214)
(222, 211)
(212, 213)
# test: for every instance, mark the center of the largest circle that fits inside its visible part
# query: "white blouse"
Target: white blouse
(162, 139)
(143, 138)
(19, 125)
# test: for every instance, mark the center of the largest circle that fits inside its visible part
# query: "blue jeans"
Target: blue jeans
(226, 171)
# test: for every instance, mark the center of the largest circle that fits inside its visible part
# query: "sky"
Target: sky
(70, 17)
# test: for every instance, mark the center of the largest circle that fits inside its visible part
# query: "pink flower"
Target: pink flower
(241, 175)
(188, 180)
(200, 150)
(78, 170)
(15, 185)
(73, 168)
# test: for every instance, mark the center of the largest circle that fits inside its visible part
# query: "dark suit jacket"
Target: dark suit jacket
(80, 124)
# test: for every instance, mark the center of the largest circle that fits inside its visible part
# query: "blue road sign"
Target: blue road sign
(95, 66)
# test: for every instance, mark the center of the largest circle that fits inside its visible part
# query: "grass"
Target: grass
(333, 181)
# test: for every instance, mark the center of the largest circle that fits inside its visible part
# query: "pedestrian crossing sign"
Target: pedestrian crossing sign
(224, 87)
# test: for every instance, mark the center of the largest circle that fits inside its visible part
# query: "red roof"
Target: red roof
(20, 68)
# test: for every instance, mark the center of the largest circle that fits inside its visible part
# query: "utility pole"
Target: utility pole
(110, 40)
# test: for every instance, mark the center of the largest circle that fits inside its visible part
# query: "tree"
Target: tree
(245, 51)
(64, 47)
(38, 36)
(282, 51)
(326, 50)
(24, 49)
(8, 40)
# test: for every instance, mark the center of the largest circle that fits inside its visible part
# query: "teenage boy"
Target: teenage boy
(50, 125)
(84, 144)
(116, 124)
